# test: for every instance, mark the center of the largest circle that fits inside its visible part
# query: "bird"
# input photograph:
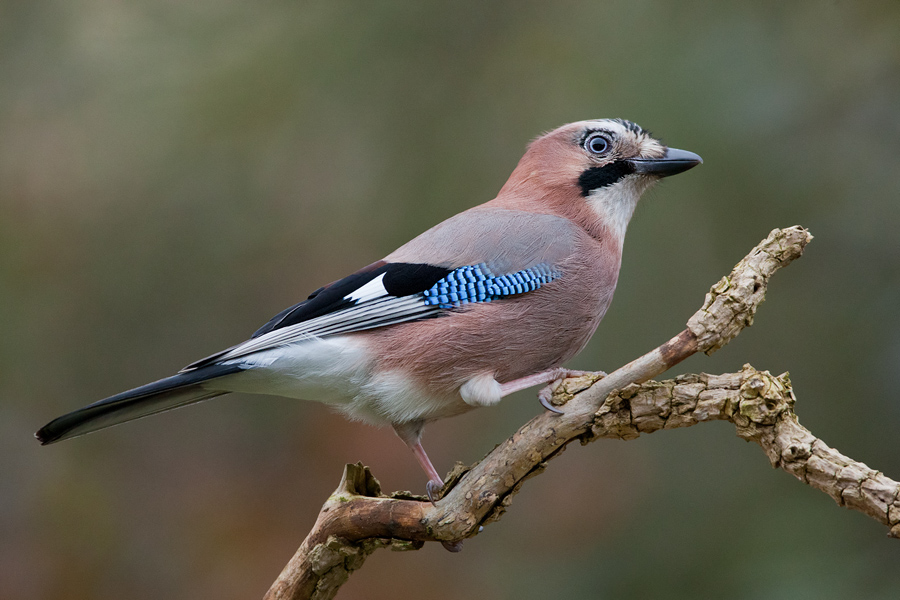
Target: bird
(486, 303)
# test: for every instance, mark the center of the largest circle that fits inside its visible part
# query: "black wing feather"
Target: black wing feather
(400, 279)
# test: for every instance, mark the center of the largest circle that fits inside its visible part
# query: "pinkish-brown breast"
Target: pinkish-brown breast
(511, 337)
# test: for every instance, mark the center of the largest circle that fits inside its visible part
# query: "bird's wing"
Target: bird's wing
(480, 255)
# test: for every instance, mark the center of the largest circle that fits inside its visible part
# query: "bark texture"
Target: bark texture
(357, 518)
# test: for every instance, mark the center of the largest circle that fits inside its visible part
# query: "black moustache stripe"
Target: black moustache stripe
(598, 177)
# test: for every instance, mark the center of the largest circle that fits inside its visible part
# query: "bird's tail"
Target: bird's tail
(165, 394)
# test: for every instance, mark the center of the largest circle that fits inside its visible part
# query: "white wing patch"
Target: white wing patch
(371, 290)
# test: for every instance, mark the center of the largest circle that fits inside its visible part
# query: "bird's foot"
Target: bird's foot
(432, 488)
(545, 394)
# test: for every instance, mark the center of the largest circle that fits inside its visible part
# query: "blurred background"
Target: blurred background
(172, 174)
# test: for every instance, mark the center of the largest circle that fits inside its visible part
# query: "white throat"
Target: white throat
(616, 203)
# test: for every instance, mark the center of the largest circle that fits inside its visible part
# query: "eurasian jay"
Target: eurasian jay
(489, 302)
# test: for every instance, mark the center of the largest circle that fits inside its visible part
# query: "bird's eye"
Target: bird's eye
(597, 144)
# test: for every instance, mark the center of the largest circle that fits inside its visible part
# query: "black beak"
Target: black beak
(675, 161)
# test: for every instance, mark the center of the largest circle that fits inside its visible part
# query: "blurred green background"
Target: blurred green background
(172, 174)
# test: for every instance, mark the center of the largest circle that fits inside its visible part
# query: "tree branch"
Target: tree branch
(761, 408)
(357, 518)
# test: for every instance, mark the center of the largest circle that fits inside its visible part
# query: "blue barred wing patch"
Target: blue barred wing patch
(477, 283)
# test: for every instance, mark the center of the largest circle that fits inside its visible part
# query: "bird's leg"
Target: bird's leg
(550, 376)
(411, 434)
(435, 483)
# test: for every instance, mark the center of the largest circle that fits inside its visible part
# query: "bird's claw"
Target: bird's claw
(431, 490)
(545, 394)
(457, 546)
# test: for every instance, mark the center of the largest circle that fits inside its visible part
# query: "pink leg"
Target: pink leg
(411, 434)
(548, 376)
(435, 483)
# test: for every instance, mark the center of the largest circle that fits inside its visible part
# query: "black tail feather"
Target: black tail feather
(165, 394)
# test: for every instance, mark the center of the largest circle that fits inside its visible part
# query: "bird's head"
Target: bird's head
(594, 172)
